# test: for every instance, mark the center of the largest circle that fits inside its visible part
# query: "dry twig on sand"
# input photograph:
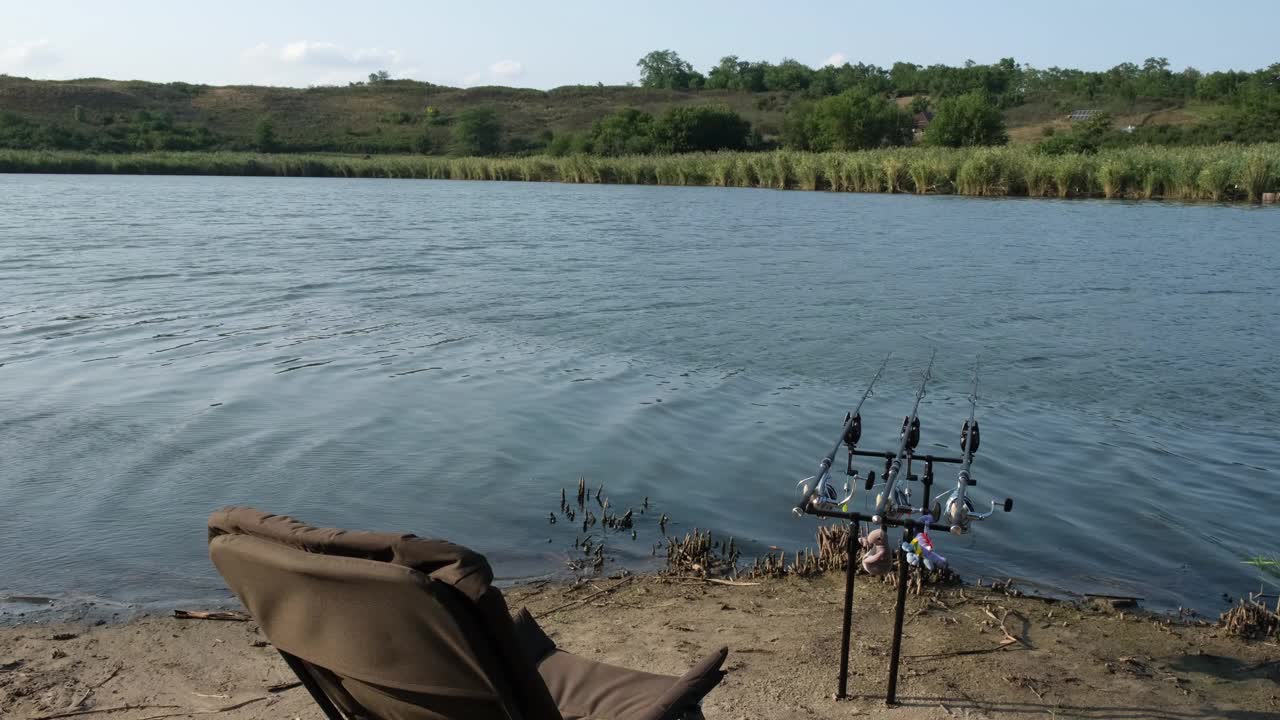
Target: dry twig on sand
(717, 581)
(94, 711)
(590, 597)
(210, 615)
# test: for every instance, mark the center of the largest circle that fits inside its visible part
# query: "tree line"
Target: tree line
(1007, 82)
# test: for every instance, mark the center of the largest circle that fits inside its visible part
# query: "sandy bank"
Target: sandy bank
(784, 641)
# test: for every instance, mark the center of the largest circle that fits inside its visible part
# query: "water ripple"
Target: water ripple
(412, 355)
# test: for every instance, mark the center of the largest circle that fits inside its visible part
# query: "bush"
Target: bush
(626, 132)
(701, 128)
(478, 131)
(966, 121)
(568, 144)
(264, 136)
(853, 120)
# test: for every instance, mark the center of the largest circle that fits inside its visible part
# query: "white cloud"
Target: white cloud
(836, 58)
(28, 55)
(329, 54)
(322, 54)
(309, 62)
(261, 51)
(501, 72)
(506, 69)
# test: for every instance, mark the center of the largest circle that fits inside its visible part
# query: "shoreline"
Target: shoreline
(19, 610)
(1216, 174)
(1067, 659)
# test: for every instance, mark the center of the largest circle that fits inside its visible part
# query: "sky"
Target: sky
(548, 44)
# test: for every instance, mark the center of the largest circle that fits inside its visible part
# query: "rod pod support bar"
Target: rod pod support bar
(893, 506)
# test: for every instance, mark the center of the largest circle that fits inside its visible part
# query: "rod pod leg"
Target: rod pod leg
(891, 696)
(842, 692)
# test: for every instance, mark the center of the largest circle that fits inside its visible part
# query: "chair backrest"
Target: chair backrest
(387, 625)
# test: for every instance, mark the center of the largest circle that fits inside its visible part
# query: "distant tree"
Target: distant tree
(1254, 117)
(788, 75)
(380, 76)
(1087, 136)
(477, 131)
(626, 132)
(735, 74)
(920, 103)
(906, 79)
(433, 116)
(559, 145)
(77, 114)
(264, 136)
(423, 143)
(1220, 85)
(524, 145)
(665, 69)
(568, 144)
(725, 75)
(966, 121)
(701, 128)
(853, 120)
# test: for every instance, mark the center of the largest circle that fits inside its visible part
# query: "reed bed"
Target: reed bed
(1218, 173)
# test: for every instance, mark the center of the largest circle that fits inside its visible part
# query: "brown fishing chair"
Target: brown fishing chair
(384, 626)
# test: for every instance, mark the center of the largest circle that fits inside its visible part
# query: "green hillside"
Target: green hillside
(786, 104)
(388, 116)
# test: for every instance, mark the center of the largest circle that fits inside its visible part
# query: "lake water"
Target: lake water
(443, 357)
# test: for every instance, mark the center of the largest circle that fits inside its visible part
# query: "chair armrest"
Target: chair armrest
(533, 641)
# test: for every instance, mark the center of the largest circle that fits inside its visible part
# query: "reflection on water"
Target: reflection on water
(444, 357)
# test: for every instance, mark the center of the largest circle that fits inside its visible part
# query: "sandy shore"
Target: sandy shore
(783, 635)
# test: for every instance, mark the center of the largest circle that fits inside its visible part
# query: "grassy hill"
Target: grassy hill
(382, 117)
(394, 116)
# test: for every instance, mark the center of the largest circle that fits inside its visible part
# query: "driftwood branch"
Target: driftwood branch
(225, 708)
(281, 687)
(716, 581)
(94, 711)
(123, 708)
(210, 615)
(957, 653)
(76, 705)
(590, 597)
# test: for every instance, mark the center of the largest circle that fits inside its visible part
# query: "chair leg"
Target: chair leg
(309, 682)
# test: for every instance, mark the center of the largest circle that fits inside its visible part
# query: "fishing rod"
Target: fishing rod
(894, 499)
(822, 491)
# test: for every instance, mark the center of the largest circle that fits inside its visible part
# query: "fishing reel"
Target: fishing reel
(899, 500)
(899, 503)
(960, 510)
(824, 492)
